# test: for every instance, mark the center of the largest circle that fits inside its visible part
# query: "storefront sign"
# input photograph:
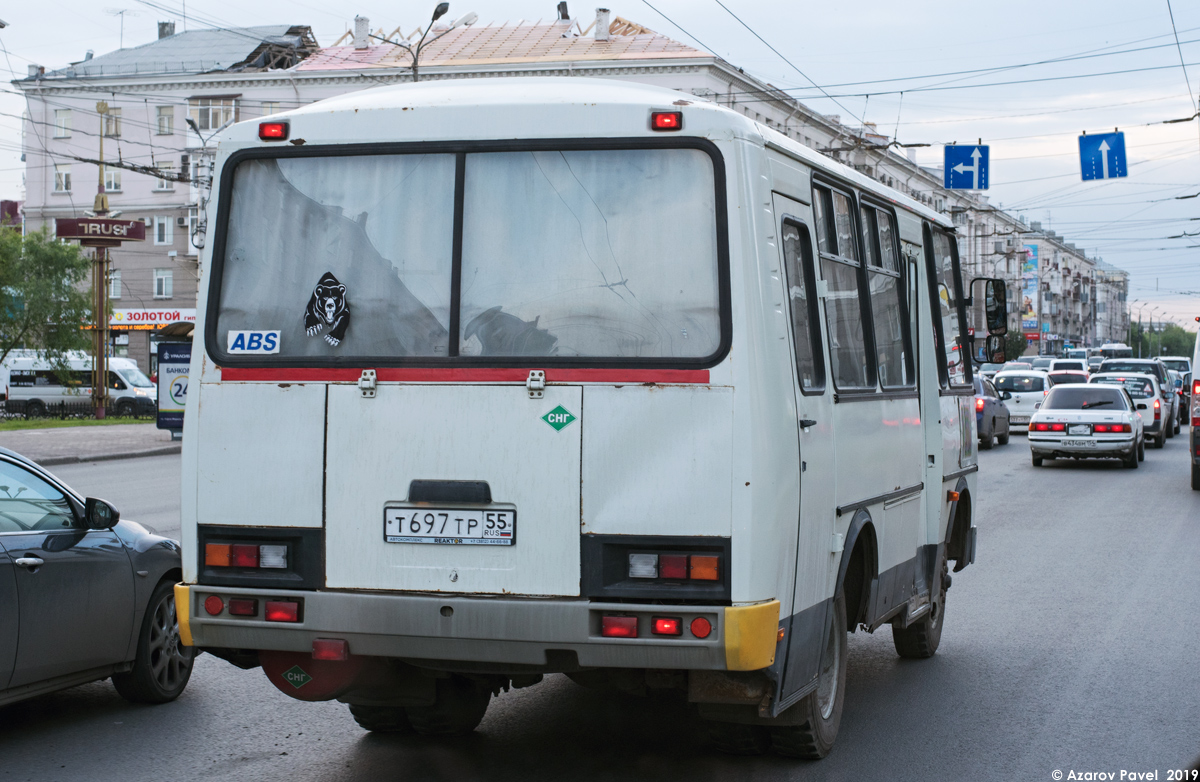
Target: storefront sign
(100, 231)
(174, 358)
(149, 319)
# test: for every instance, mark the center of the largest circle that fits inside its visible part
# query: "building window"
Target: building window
(112, 180)
(163, 233)
(163, 182)
(62, 123)
(166, 120)
(114, 284)
(162, 282)
(112, 123)
(212, 113)
(270, 107)
(193, 226)
(62, 178)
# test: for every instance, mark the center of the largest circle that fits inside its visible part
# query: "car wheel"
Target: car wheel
(1177, 429)
(125, 410)
(1037, 461)
(1196, 477)
(35, 409)
(821, 711)
(1131, 461)
(163, 665)
(986, 441)
(1160, 441)
(1003, 438)
(1141, 449)
(1168, 430)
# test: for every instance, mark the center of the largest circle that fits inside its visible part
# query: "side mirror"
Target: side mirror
(995, 349)
(1006, 395)
(1141, 406)
(100, 514)
(996, 307)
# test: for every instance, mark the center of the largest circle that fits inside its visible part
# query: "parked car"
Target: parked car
(1087, 421)
(1063, 377)
(988, 370)
(1144, 390)
(991, 415)
(84, 595)
(1156, 367)
(1027, 389)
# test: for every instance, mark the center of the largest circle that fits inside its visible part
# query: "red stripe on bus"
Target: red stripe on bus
(462, 375)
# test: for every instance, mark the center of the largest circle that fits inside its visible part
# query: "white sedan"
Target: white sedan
(1087, 421)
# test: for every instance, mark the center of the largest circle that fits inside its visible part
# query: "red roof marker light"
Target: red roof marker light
(666, 120)
(273, 131)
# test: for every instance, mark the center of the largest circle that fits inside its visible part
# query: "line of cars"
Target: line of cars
(1069, 412)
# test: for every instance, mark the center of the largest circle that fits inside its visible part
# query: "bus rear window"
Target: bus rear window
(601, 254)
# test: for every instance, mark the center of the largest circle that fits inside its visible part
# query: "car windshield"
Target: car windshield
(135, 378)
(1076, 398)
(1021, 384)
(1178, 364)
(1138, 388)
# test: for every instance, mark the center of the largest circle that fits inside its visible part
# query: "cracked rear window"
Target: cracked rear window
(604, 254)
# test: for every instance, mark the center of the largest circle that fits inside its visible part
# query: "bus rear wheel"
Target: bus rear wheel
(381, 719)
(458, 710)
(920, 640)
(821, 710)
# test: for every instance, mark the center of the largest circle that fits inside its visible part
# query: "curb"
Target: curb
(107, 457)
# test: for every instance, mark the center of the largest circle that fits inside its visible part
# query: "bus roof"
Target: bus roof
(566, 108)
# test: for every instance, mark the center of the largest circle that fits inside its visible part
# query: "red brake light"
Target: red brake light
(283, 611)
(1196, 388)
(667, 625)
(979, 403)
(1041, 427)
(701, 627)
(273, 131)
(666, 120)
(243, 555)
(214, 605)
(1100, 428)
(330, 649)
(673, 566)
(618, 626)
(1058, 427)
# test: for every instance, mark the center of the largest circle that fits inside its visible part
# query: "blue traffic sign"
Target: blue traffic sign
(1102, 156)
(966, 167)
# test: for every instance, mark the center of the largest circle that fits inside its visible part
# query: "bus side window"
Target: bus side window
(806, 322)
(947, 301)
(851, 362)
(893, 342)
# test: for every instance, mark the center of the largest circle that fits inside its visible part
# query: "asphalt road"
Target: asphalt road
(1070, 645)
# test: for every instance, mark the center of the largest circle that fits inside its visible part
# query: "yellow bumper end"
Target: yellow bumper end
(751, 633)
(183, 613)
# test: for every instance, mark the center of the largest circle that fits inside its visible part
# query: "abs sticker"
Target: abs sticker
(255, 342)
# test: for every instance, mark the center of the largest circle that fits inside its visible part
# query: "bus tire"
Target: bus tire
(822, 709)
(382, 719)
(737, 739)
(920, 640)
(458, 710)
(35, 409)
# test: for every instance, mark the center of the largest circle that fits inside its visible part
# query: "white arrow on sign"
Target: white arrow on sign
(962, 168)
(1104, 157)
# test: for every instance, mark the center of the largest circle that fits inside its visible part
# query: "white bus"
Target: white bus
(507, 378)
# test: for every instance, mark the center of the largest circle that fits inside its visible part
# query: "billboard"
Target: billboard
(174, 359)
(1029, 294)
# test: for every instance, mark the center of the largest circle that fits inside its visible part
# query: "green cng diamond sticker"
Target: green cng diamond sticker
(296, 677)
(558, 418)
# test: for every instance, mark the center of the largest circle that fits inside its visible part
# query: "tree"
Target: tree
(1014, 344)
(44, 303)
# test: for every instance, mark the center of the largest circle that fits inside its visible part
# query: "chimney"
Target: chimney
(362, 28)
(166, 29)
(601, 28)
(89, 55)
(36, 70)
(563, 16)
(912, 155)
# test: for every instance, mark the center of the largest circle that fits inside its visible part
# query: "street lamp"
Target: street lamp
(438, 13)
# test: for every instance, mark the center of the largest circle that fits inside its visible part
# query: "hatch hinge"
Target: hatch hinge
(536, 383)
(366, 384)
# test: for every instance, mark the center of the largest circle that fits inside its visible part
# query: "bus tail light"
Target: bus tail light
(214, 605)
(243, 606)
(273, 131)
(283, 611)
(666, 120)
(333, 649)
(618, 626)
(245, 555)
(667, 625)
(701, 627)
(675, 567)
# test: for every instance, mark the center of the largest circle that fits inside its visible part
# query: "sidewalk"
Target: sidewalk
(71, 444)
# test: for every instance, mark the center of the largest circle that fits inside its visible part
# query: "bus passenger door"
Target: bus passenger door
(814, 424)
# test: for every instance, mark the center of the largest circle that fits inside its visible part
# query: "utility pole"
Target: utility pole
(100, 285)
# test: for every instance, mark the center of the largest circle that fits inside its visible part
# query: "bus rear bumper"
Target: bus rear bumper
(550, 634)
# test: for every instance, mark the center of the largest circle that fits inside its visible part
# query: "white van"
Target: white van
(507, 377)
(34, 388)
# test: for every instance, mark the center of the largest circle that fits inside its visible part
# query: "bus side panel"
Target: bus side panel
(657, 460)
(260, 454)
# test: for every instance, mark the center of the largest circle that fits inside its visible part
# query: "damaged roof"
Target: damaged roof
(202, 51)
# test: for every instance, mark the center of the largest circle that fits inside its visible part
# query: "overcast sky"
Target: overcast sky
(873, 48)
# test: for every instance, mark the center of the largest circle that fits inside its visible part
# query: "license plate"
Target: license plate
(1079, 429)
(452, 526)
(1020, 419)
(1080, 443)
